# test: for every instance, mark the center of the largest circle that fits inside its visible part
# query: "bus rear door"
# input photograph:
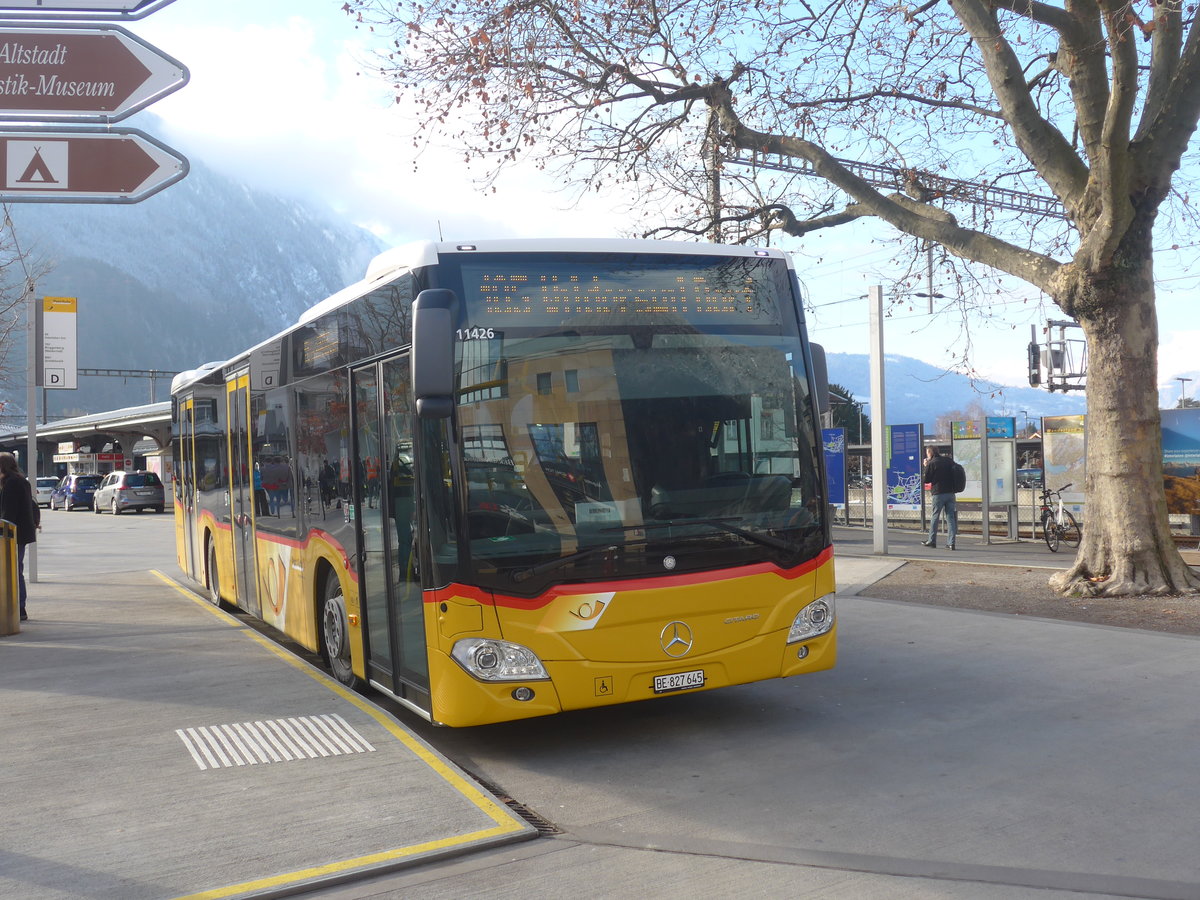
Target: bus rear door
(241, 493)
(185, 487)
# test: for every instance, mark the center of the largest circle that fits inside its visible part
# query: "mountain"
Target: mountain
(917, 393)
(195, 273)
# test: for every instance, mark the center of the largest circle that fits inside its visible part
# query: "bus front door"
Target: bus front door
(241, 494)
(384, 498)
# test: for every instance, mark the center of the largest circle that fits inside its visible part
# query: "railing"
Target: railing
(860, 511)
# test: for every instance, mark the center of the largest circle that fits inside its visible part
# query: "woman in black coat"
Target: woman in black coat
(17, 506)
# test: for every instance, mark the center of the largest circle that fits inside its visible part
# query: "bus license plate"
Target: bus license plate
(678, 681)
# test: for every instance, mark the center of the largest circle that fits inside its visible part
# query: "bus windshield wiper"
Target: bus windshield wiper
(766, 540)
(550, 565)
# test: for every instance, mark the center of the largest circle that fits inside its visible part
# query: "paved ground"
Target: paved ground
(953, 753)
(154, 746)
(1008, 578)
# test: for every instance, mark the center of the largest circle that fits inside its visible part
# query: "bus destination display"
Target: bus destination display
(720, 291)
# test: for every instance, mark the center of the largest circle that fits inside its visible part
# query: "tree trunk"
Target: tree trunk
(1127, 546)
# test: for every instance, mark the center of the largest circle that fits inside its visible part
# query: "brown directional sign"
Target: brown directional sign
(123, 165)
(95, 74)
(81, 9)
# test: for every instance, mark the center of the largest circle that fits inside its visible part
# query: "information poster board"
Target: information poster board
(1002, 460)
(1002, 472)
(904, 474)
(1064, 454)
(1001, 427)
(966, 443)
(1181, 459)
(834, 442)
(59, 345)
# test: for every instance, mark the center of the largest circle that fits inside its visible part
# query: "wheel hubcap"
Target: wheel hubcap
(214, 590)
(335, 627)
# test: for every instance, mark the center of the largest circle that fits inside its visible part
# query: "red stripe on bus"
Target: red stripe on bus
(484, 597)
(292, 542)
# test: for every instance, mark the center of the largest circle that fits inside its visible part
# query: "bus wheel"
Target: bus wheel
(214, 585)
(335, 632)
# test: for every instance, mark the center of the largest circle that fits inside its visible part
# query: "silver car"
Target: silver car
(120, 491)
(43, 489)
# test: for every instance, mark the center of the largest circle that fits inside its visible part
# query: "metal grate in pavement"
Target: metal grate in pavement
(271, 741)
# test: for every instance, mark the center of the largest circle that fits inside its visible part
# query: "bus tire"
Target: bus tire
(214, 584)
(335, 632)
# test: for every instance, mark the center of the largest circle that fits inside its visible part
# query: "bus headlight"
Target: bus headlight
(492, 660)
(812, 621)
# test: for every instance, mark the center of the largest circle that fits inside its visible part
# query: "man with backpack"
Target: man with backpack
(943, 481)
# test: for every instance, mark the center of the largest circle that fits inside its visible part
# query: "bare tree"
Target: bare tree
(945, 421)
(18, 276)
(1093, 104)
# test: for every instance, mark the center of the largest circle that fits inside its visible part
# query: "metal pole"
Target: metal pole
(31, 413)
(878, 423)
(862, 484)
(985, 520)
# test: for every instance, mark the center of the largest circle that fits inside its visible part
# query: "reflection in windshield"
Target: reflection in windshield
(619, 448)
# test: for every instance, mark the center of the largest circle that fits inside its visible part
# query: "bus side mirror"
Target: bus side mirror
(820, 377)
(432, 360)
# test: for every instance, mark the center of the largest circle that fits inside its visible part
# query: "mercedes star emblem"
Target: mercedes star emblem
(676, 639)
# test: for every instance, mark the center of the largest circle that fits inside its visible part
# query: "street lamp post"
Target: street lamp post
(1182, 390)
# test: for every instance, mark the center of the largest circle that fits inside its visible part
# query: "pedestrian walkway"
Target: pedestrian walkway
(903, 544)
(157, 747)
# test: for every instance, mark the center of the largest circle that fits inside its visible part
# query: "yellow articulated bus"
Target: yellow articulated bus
(511, 478)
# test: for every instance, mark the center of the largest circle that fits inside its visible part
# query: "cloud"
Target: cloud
(285, 105)
(1177, 354)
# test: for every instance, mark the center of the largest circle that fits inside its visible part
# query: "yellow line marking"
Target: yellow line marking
(506, 823)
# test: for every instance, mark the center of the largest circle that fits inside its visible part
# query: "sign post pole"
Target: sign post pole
(879, 462)
(31, 367)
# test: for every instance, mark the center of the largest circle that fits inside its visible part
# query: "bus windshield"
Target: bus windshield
(632, 418)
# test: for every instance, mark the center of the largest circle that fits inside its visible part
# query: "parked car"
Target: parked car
(121, 491)
(74, 491)
(43, 488)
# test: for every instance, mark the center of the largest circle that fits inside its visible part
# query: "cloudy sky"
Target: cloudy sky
(278, 97)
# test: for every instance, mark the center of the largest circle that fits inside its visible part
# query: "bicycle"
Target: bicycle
(1058, 525)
